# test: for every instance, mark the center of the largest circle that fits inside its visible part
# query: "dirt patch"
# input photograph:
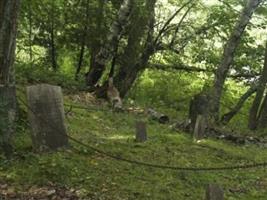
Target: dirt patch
(50, 192)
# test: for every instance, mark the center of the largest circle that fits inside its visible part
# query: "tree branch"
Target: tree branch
(179, 24)
(184, 41)
(228, 116)
(163, 29)
(187, 68)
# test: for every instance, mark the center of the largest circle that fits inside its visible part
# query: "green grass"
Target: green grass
(98, 177)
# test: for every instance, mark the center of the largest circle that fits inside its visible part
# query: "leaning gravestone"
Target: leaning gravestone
(141, 134)
(46, 116)
(7, 117)
(214, 192)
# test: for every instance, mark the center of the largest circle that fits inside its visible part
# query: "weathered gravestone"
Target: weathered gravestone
(200, 127)
(7, 117)
(141, 134)
(46, 116)
(198, 106)
(214, 192)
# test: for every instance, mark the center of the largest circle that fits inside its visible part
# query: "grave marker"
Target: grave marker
(46, 116)
(214, 192)
(141, 133)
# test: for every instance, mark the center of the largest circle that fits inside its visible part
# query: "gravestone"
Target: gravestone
(198, 106)
(214, 192)
(7, 117)
(141, 133)
(46, 116)
(200, 127)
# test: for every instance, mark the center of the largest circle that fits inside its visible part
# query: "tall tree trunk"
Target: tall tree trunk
(80, 62)
(255, 108)
(53, 49)
(132, 62)
(262, 121)
(226, 118)
(30, 31)
(83, 41)
(8, 30)
(258, 110)
(228, 55)
(126, 78)
(97, 40)
(108, 50)
(52, 39)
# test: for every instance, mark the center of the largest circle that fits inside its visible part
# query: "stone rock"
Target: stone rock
(141, 133)
(214, 192)
(46, 116)
(200, 127)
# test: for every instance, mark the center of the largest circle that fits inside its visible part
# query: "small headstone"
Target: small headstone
(141, 134)
(214, 192)
(46, 116)
(200, 127)
(7, 117)
(198, 106)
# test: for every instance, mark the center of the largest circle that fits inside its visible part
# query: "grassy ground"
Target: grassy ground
(95, 176)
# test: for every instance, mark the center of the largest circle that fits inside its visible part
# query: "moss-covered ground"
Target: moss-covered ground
(95, 176)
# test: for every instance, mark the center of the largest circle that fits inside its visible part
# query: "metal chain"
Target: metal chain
(145, 164)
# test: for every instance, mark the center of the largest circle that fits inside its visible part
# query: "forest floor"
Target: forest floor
(81, 173)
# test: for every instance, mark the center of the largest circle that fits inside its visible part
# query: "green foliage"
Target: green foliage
(166, 89)
(64, 77)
